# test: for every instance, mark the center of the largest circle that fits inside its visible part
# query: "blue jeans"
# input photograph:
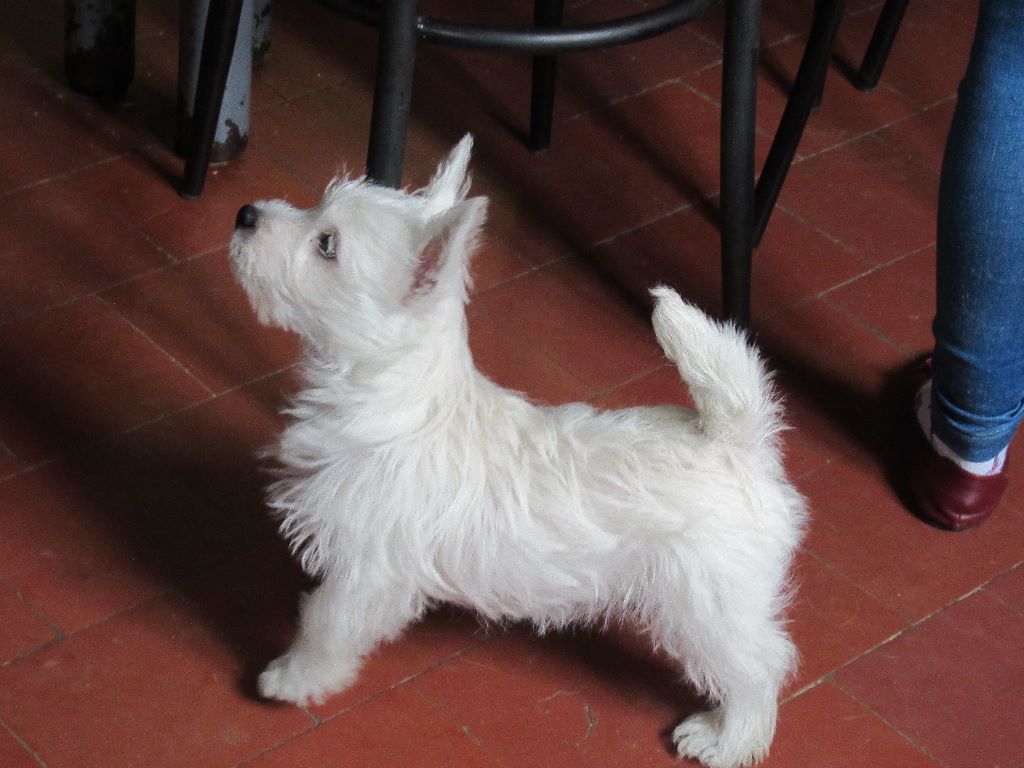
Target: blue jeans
(978, 366)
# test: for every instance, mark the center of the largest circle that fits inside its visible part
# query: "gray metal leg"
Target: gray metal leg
(212, 112)
(232, 125)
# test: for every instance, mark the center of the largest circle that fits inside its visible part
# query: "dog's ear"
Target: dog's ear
(443, 262)
(450, 183)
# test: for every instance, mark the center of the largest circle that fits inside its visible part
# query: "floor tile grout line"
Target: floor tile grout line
(370, 699)
(55, 90)
(912, 625)
(151, 599)
(290, 169)
(878, 129)
(15, 319)
(850, 581)
(611, 239)
(410, 679)
(314, 91)
(830, 677)
(870, 269)
(1012, 608)
(110, 440)
(134, 227)
(875, 268)
(633, 379)
(56, 633)
(885, 721)
(868, 9)
(250, 759)
(818, 230)
(803, 158)
(820, 296)
(466, 730)
(172, 263)
(170, 260)
(592, 391)
(646, 223)
(130, 226)
(873, 330)
(193, 406)
(6, 451)
(688, 206)
(860, 319)
(64, 175)
(172, 358)
(23, 744)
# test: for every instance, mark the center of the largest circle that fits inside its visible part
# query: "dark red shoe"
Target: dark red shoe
(950, 496)
(944, 493)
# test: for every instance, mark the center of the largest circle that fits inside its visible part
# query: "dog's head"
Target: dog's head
(368, 260)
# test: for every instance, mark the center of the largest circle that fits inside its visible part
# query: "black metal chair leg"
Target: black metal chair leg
(827, 15)
(392, 94)
(819, 90)
(881, 44)
(546, 13)
(739, 104)
(218, 48)
(821, 9)
(819, 95)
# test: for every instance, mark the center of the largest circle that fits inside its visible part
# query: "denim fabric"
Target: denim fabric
(978, 367)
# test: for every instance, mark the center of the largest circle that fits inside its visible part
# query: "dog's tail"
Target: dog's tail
(728, 381)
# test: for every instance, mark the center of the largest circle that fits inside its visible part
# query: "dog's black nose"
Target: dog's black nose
(247, 217)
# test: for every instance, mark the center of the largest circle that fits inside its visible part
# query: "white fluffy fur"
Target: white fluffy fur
(407, 477)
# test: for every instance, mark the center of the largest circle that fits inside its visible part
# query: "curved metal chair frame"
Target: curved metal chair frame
(745, 209)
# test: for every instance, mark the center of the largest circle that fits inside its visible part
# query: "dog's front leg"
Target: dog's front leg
(340, 622)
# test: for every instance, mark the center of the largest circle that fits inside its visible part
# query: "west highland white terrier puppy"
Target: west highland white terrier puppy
(408, 478)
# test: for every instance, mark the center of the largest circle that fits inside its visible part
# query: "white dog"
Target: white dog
(409, 478)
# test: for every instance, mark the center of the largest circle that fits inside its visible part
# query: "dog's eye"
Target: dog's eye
(326, 243)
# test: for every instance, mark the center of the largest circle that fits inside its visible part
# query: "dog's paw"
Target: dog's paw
(301, 680)
(703, 737)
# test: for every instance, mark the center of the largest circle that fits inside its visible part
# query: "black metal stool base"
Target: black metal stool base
(745, 209)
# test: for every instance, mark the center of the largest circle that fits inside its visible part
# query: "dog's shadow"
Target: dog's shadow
(617, 666)
(626, 661)
(171, 510)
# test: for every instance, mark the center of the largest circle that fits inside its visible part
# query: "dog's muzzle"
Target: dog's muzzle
(247, 217)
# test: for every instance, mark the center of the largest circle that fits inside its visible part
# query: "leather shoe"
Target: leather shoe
(952, 497)
(945, 493)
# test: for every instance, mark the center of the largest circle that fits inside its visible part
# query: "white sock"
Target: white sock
(923, 404)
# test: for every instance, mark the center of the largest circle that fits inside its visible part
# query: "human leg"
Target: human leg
(978, 366)
(972, 405)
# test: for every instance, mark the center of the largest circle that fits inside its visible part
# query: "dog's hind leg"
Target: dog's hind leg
(741, 662)
(340, 622)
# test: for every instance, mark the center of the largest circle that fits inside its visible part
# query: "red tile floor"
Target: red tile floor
(142, 586)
